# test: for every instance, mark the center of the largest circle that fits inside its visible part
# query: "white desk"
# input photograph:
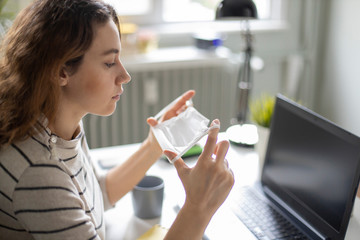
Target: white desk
(122, 224)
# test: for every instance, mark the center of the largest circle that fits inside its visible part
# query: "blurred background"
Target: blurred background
(307, 50)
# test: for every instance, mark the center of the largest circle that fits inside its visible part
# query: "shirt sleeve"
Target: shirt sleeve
(100, 177)
(102, 182)
(47, 204)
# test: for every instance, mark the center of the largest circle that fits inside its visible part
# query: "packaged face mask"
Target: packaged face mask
(182, 132)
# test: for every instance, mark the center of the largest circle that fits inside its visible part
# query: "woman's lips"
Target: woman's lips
(116, 97)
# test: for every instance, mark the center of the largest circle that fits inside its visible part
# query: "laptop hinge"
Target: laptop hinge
(293, 213)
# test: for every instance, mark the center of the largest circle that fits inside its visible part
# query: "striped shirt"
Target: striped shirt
(49, 190)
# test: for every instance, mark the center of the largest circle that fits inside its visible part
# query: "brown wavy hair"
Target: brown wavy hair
(46, 37)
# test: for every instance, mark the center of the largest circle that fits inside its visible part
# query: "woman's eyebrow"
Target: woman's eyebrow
(111, 51)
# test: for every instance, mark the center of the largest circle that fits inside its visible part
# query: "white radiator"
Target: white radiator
(157, 79)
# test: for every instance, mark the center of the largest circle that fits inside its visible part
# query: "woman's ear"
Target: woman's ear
(63, 77)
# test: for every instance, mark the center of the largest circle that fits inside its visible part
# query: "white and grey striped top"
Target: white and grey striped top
(49, 190)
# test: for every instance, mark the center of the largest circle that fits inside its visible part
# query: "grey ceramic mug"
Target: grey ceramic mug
(147, 197)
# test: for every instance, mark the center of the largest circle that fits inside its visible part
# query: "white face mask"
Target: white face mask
(182, 132)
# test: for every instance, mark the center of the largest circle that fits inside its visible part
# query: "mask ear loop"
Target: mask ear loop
(193, 142)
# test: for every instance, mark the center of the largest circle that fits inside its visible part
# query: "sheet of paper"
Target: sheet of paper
(157, 232)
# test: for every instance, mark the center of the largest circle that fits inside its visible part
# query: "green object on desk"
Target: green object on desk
(194, 151)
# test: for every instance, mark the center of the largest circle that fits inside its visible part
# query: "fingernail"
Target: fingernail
(215, 122)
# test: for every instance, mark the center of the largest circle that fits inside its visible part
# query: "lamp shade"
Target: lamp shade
(236, 8)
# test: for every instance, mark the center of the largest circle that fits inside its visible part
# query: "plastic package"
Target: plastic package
(182, 132)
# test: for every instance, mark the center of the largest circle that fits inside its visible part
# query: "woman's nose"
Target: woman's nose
(123, 77)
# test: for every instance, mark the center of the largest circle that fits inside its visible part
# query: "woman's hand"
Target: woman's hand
(121, 179)
(207, 185)
(175, 110)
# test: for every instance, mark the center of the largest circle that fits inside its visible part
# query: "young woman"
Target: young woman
(61, 61)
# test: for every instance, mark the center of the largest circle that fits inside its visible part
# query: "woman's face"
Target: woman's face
(97, 84)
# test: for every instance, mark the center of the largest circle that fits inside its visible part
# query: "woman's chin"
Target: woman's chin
(106, 112)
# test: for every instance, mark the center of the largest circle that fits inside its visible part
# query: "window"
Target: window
(189, 10)
(171, 11)
(128, 8)
(203, 10)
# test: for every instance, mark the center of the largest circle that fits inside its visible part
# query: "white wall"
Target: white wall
(339, 95)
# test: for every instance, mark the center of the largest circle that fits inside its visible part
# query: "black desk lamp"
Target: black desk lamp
(242, 133)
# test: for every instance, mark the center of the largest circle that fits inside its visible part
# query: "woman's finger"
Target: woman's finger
(210, 145)
(226, 164)
(182, 109)
(179, 164)
(179, 104)
(222, 149)
(184, 98)
(152, 121)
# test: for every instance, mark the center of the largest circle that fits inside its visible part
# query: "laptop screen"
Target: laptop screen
(313, 166)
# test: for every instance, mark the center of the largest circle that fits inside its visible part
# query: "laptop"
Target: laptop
(309, 179)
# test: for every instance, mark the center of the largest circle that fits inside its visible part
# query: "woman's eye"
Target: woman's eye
(109, 65)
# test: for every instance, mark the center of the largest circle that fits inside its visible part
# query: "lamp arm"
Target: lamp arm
(245, 79)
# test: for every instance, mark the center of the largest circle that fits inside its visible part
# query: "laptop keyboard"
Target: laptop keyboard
(262, 219)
